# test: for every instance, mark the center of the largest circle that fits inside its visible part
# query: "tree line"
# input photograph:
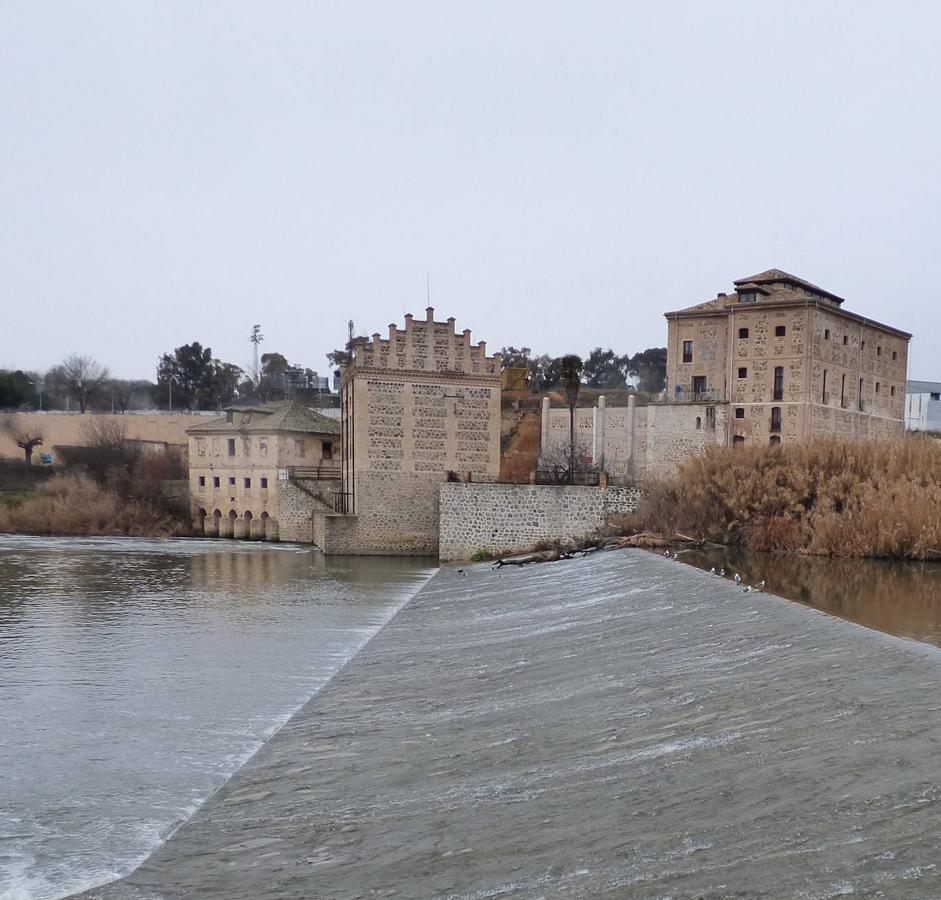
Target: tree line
(188, 378)
(645, 371)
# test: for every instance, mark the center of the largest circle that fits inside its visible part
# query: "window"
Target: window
(248, 482)
(826, 334)
(846, 339)
(739, 412)
(264, 484)
(327, 450)
(231, 443)
(778, 383)
(936, 396)
(843, 392)
(775, 418)
(895, 354)
(215, 481)
(862, 403)
(748, 296)
(826, 396)
(743, 372)
(743, 333)
(878, 351)
(699, 423)
(687, 351)
(892, 391)
(300, 446)
(231, 481)
(228, 416)
(710, 418)
(862, 345)
(774, 439)
(779, 331)
(738, 439)
(877, 387)
(202, 480)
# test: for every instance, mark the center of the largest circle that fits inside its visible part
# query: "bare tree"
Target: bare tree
(559, 463)
(83, 378)
(25, 431)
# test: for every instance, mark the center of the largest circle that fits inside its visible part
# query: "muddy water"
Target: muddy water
(901, 598)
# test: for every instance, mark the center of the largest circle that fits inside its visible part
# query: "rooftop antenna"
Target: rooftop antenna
(429, 287)
(256, 338)
(349, 329)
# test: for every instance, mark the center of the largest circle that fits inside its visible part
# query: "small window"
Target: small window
(846, 339)
(862, 345)
(231, 481)
(228, 416)
(327, 450)
(774, 439)
(936, 396)
(779, 331)
(748, 296)
(743, 333)
(738, 439)
(743, 372)
(215, 481)
(877, 387)
(202, 480)
(231, 446)
(687, 351)
(878, 351)
(248, 482)
(699, 423)
(739, 412)
(892, 391)
(826, 334)
(264, 484)
(895, 354)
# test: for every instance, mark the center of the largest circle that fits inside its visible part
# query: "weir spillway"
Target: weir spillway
(621, 725)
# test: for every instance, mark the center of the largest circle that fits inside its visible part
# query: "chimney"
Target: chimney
(430, 313)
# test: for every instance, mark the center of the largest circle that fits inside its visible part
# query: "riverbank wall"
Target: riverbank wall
(621, 725)
(509, 518)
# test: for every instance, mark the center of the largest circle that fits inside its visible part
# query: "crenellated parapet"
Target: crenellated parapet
(426, 346)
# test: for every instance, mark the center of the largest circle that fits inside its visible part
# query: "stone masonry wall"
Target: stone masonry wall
(513, 517)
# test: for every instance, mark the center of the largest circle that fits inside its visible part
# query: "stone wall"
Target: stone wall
(513, 517)
(298, 501)
(71, 429)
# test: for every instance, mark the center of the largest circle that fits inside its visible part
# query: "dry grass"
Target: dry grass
(875, 499)
(76, 505)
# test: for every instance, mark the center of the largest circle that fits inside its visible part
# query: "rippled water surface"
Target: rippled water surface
(137, 675)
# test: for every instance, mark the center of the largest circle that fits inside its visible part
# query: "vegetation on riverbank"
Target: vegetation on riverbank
(872, 499)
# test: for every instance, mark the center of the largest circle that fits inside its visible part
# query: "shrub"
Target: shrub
(481, 555)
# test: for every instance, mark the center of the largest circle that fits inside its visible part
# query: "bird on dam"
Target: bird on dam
(738, 578)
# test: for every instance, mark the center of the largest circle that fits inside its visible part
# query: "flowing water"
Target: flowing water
(137, 675)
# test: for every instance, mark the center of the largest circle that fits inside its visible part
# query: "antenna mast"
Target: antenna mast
(256, 338)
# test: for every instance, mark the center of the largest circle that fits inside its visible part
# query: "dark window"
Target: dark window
(774, 439)
(895, 354)
(775, 418)
(748, 296)
(826, 396)
(264, 483)
(215, 481)
(826, 334)
(778, 383)
(862, 403)
(743, 333)
(843, 392)
(231, 481)
(846, 340)
(936, 396)
(248, 482)
(779, 331)
(743, 372)
(327, 450)
(202, 480)
(231, 446)
(862, 345)
(687, 351)
(878, 351)
(738, 439)
(699, 384)
(877, 387)
(892, 391)
(739, 412)
(698, 423)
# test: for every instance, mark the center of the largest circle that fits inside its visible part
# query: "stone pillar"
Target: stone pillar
(631, 402)
(597, 432)
(271, 530)
(467, 350)
(544, 437)
(212, 526)
(239, 528)
(254, 530)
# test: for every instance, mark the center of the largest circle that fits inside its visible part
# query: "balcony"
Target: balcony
(688, 395)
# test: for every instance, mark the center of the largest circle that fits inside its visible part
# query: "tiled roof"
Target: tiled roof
(770, 276)
(266, 417)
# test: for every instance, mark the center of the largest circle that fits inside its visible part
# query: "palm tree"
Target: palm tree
(570, 369)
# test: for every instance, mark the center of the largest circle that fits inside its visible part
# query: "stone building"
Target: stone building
(418, 408)
(777, 360)
(260, 472)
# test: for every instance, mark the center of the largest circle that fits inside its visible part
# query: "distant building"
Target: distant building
(261, 471)
(923, 406)
(418, 408)
(778, 360)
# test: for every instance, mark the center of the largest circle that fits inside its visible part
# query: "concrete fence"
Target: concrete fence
(513, 517)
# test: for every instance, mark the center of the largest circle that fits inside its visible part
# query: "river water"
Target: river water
(136, 675)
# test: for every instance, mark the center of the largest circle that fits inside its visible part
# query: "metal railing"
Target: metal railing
(687, 395)
(324, 472)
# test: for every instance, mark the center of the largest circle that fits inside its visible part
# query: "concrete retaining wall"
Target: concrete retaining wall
(513, 517)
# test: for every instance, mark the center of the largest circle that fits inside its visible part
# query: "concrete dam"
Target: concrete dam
(621, 725)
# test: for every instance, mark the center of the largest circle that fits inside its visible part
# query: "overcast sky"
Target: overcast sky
(177, 171)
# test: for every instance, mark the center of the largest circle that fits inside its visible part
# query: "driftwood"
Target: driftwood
(548, 556)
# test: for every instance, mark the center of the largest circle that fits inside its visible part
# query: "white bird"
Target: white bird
(722, 572)
(760, 586)
(738, 578)
(460, 572)
(666, 554)
(712, 571)
(748, 590)
(676, 556)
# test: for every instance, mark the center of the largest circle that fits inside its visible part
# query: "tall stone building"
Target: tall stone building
(418, 408)
(777, 360)
(789, 362)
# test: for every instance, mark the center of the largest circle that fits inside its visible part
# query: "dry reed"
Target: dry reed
(870, 499)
